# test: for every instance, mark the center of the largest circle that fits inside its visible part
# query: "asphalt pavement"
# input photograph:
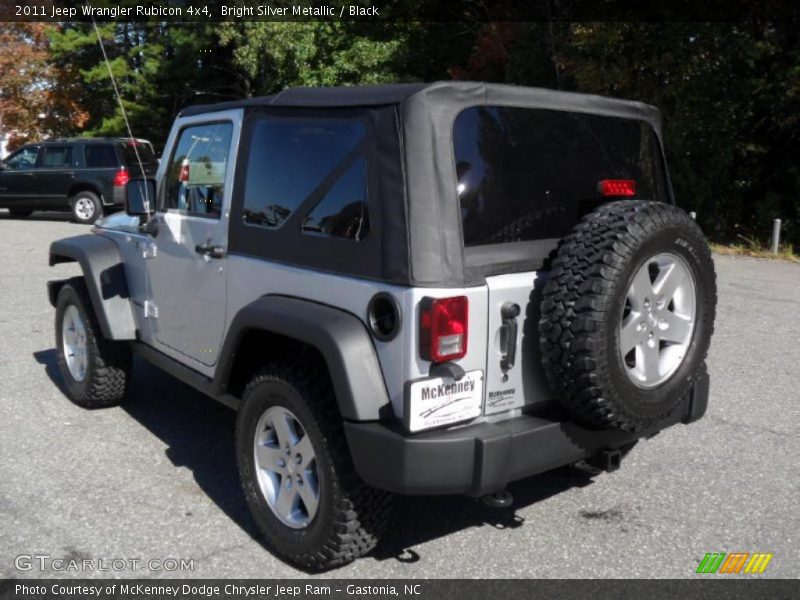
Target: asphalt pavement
(156, 479)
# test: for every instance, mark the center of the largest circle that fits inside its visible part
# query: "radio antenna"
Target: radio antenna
(134, 144)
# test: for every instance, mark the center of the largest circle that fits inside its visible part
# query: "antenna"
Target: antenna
(134, 144)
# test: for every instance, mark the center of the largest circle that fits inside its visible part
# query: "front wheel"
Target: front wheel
(297, 474)
(95, 370)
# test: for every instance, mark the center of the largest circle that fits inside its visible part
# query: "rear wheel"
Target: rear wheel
(298, 478)
(86, 207)
(627, 314)
(20, 213)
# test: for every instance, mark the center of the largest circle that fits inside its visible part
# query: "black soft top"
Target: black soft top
(441, 92)
(420, 237)
(334, 97)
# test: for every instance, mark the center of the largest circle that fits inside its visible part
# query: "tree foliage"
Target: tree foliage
(32, 98)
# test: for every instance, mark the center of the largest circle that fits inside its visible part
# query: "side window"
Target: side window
(23, 159)
(99, 156)
(197, 170)
(56, 157)
(296, 159)
(343, 211)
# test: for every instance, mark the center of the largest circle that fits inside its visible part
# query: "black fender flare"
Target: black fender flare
(104, 273)
(339, 336)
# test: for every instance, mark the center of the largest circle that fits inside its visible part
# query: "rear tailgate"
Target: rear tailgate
(526, 176)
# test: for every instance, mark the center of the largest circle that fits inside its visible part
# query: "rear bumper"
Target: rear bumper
(484, 458)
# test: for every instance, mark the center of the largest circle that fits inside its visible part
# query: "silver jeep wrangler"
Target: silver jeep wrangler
(411, 289)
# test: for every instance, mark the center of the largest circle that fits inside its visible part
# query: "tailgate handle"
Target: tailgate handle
(508, 335)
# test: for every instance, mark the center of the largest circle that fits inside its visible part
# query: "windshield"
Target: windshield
(530, 174)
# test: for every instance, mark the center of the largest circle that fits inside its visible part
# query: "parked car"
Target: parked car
(403, 289)
(85, 176)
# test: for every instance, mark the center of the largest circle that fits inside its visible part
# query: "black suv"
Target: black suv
(86, 176)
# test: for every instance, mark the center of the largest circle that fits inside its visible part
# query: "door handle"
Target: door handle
(509, 312)
(210, 251)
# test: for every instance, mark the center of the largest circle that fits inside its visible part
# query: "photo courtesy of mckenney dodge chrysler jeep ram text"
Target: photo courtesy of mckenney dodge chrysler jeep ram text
(403, 289)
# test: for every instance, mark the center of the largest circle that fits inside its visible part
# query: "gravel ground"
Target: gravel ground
(156, 479)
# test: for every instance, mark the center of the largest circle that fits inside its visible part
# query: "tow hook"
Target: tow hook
(607, 460)
(502, 499)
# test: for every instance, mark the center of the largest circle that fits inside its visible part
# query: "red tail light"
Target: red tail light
(617, 187)
(121, 178)
(443, 328)
(184, 174)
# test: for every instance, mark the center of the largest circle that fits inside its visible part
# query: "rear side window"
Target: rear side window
(530, 174)
(99, 156)
(54, 157)
(145, 150)
(343, 212)
(294, 160)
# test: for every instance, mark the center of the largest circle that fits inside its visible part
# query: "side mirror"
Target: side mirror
(138, 193)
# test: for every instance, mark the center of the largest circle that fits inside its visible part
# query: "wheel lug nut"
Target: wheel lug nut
(281, 463)
(298, 459)
(299, 479)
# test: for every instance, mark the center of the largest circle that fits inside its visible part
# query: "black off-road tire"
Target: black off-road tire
(108, 362)
(582, 307)
(20, 213)
(85, 196)
(352, 515)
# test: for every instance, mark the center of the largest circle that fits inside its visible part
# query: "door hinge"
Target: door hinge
(148, 250)
(150, 310)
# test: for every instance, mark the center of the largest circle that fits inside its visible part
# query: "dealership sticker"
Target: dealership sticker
(439, 401)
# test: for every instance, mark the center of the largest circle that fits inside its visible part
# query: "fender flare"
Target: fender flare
(104, 273)
(339, 336)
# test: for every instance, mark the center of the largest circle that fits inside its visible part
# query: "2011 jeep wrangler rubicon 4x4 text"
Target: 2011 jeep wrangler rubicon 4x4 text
(411, 289)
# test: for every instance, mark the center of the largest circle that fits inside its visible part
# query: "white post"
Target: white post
(776, 235)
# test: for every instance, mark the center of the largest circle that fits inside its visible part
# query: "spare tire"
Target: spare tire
(627, 314)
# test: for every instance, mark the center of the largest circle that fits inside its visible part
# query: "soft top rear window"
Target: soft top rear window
(145, 150)
(529, 174)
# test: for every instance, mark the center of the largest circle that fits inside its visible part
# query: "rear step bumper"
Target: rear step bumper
(484, 458)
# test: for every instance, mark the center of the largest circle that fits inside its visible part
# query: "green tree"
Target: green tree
(159, 69)
(271, 56)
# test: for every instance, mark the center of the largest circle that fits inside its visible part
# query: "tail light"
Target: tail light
(184, 174)
(624, 188)
(121, 178)
(443, 328)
